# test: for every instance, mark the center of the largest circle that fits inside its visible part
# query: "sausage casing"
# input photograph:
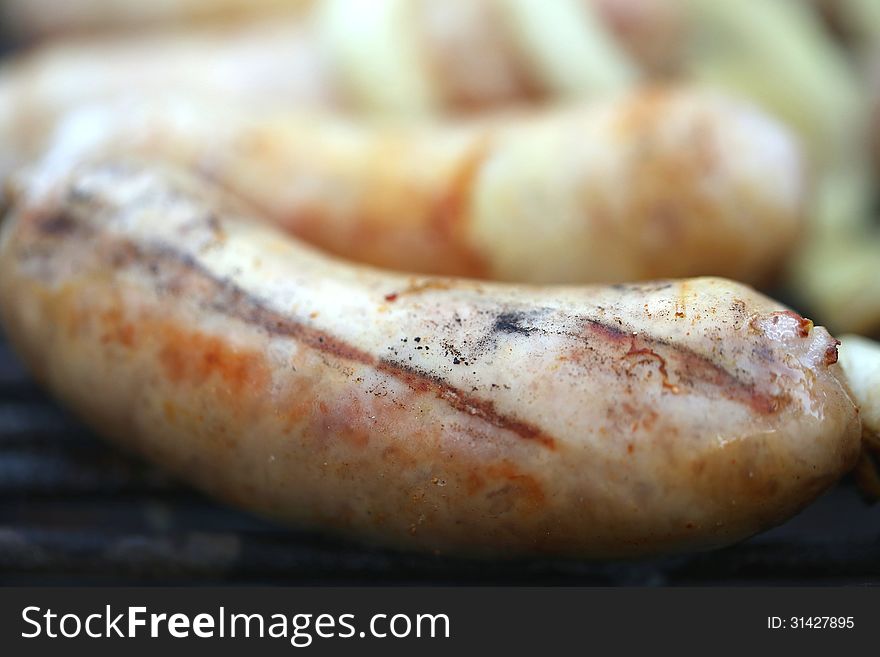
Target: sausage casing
(657, 183)
(452, 416)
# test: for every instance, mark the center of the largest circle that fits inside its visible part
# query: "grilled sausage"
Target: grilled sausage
(451, 416)
(656, 183)
(390, 56)
(472, 34)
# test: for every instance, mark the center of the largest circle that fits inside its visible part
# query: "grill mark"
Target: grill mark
(481, 408)
(645, 354)
(694, 367)
(235, 302)
(608, 331)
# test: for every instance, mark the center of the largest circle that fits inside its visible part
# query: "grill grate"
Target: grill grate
(73, 510)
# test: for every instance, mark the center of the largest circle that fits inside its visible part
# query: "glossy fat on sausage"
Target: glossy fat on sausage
(652, 184)
(435, 414)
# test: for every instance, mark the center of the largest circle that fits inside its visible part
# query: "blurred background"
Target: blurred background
(73, 510)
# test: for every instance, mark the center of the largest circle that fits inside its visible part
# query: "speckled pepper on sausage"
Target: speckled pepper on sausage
(448, 416)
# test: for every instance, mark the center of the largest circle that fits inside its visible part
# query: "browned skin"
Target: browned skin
(404, 219)
(439, 415)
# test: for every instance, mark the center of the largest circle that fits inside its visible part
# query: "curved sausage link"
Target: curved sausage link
(655, 183)
(443, 415)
